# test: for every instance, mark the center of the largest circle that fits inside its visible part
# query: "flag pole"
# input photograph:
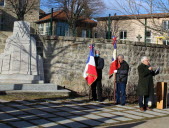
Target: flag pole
(90, 91)
(115, 84)
(90, 88)
(114, 88)
(114, 66)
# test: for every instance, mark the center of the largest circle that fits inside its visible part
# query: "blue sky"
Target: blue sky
(115, 6)
(124, 7)
(105, 12)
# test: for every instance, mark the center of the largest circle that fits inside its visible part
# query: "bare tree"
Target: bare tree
(76, 10)
(21, 7)
(102, 28)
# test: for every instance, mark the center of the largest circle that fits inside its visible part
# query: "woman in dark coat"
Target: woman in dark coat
(145, 87)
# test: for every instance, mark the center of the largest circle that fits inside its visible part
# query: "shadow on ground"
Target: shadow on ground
(54, 113)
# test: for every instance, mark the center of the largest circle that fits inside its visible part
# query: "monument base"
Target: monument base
(19, 78)
(45, 89)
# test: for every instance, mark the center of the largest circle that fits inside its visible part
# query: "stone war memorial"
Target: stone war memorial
(20, 63)
(21, 68)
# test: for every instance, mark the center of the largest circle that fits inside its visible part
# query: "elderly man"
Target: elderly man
(145, 87)
(121, 80)
(97, 85)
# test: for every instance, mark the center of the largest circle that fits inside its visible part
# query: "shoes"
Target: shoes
(142, 109)
(149, 109)
(119, 103)
(93, 99)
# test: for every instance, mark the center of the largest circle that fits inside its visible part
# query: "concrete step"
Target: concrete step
(44, 87)
(8, 81)
(19, 78)
(32, 88)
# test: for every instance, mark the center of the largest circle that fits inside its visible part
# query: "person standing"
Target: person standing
(145, 87)
(96, 87)
(121, 80)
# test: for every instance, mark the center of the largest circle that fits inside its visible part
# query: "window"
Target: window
(2, 3)
(83, 33)
(95, 35)
(41, 29)
(166, 25)
(148, 37)
(47, 32)
(89, 33)
(166, 42)
(123, 35)
(62, 29)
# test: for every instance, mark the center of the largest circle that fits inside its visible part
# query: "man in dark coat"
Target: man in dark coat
(98, 84)
(121, 80)
(145, 87)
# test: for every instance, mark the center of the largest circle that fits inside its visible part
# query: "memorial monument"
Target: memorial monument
(20, 63)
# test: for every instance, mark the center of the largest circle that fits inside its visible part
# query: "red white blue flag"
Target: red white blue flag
(114, 64)
(90, 73)
(114, 40)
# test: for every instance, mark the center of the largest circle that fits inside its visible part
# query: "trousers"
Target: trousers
(97, 90)
(121, 93)
(143, 101)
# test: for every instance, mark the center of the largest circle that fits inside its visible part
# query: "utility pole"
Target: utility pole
(109, 34)
(51, 22)
(145, 33)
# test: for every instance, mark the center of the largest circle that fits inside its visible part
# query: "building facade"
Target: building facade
(60, 26)
(148, 28)
(7, 15)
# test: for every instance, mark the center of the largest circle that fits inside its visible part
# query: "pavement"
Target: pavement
(78, 113)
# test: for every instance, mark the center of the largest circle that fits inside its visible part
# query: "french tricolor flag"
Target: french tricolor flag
(114, 64)
(90, 73)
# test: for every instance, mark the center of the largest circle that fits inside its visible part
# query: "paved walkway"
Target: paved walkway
(162, 122)
(71, 114)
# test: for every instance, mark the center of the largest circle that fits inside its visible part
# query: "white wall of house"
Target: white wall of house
(131, 29)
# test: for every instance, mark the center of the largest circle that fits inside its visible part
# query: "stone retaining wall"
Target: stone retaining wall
(65, 58)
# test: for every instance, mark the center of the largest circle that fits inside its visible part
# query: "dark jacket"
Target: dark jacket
(99, 66)
(122, 73)
(145, 83)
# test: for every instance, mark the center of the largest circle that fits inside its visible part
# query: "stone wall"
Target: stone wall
(65, 58)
